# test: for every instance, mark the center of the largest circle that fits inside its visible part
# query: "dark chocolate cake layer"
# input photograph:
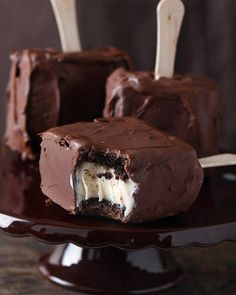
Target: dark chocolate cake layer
(48, 88)
(122, 168)
(186, 106)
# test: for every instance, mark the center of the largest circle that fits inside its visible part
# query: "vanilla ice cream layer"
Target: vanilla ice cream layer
(92, 180)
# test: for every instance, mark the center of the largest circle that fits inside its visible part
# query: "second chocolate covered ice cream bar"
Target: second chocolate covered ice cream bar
(120, 168)
(187, 106)
(48, 88)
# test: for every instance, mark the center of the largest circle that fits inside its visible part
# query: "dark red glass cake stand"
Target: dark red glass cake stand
(99, 256)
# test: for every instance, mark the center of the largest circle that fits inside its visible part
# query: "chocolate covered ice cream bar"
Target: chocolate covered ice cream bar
(121, 168)
(187, 106)
(48, 88)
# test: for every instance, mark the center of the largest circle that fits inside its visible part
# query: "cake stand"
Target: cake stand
(100, 256)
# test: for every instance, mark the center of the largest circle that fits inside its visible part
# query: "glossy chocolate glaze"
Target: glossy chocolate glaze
(186, 106)
(209, 221)
(48, 88)
(165, 169)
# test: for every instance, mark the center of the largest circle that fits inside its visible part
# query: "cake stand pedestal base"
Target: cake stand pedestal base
(110, 270)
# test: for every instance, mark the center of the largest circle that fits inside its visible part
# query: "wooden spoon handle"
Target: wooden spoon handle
(66, 18)
(170, 15)
(218, 160)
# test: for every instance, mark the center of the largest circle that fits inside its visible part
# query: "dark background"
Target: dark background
(207, 44)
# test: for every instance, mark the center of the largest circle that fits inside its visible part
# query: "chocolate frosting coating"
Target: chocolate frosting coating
(187, 106)
(48, 88)
(165, 169)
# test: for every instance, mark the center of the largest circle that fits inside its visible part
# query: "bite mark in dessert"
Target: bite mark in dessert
(95, 181)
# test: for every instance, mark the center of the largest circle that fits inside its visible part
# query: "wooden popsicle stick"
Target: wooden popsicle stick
(170, 15)
(66, 18)
(218, 161)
